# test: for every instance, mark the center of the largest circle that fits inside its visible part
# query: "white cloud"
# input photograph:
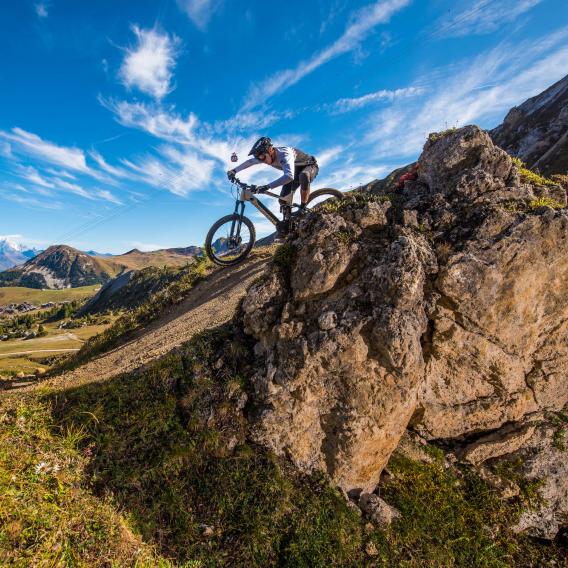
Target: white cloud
(41, 10)
(32, 175)
(348, 104)
(179, 172)
(476, 91)
(32, 202)
(147, 247)
(31, 144)
(362, 23)
(108, 196)
(485, 16)
(153, 119)
(149, 65)
(200, 11)
(6, 150)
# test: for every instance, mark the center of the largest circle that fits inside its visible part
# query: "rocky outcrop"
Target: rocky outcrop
(441, 307)
(537, 130)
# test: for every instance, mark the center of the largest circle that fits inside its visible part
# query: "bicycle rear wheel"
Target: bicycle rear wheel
(230, 240)
(321, 195)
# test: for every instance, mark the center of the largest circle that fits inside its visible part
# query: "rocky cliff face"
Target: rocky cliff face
(441, 307)
(537, 130)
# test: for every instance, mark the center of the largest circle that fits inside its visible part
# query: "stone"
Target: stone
(371, 549)
(327, 321)
(377, 510)
(40, 371)
(505, 441)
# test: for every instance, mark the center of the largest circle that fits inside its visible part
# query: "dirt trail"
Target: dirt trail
(212, 302)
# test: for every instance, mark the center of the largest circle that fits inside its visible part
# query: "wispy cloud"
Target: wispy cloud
(31, 201)
(177, 171)
(148, 66)
(160, 122)
(349, 104)
(483, 17)
(199, 11)
(33, 145)
(479, 90)
(147, 247)
(41, 9)
(362, 24)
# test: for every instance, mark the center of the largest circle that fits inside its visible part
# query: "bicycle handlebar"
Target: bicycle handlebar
(250, 187)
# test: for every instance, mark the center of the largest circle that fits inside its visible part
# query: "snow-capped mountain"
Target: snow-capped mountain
(13, 253)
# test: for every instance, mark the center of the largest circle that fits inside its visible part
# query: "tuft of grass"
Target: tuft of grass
(435, 136)
(529, 176)
(353, 199)
(345, 237)
(284, 256)
(545, 202)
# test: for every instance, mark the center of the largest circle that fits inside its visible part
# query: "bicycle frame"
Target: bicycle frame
(247, 195)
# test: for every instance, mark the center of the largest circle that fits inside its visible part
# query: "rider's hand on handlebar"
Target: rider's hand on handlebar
(231, 174)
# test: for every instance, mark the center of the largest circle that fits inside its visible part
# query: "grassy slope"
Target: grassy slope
(18, 295)
(146, 460)
(56, 339)
(138, 260)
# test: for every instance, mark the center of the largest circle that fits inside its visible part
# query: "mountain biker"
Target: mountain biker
(299, 169)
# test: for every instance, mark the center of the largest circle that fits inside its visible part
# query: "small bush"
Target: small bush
(545, 202)
(284, 256)
(529, 176)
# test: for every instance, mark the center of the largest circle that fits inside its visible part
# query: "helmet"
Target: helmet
(261, 146)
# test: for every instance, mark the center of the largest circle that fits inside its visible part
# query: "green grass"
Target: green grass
(144, 461)
(545, 202)
(529, 176)
(18, 295)
(435, 136)
(450, 517)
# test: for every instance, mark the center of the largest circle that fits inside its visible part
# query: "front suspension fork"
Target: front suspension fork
(237, 223)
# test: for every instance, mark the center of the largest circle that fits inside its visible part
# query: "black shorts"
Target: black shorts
(309, 174)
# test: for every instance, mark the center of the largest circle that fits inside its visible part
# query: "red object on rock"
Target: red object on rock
(411, 175)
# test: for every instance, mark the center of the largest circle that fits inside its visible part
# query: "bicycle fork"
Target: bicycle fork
(239, 211)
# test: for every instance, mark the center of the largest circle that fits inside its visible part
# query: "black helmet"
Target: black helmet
(261, 146)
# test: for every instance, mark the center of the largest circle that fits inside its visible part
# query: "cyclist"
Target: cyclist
(299, 169)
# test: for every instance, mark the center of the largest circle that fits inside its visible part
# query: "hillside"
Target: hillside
(62, 266)
(537, 130)
(390, 392)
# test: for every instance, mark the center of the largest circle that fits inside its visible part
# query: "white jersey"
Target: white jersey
(286, 160)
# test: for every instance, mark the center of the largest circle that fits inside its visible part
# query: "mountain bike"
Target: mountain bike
(231, 238)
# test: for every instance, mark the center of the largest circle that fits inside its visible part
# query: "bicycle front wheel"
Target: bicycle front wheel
(230, 240)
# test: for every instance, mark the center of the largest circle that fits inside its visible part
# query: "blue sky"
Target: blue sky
(118, 119)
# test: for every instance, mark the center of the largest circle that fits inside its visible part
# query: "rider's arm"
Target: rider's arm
(250, 162)
(287, 158)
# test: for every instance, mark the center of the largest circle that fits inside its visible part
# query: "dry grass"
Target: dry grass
(18, 294)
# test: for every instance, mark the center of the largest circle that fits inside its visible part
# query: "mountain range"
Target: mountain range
(62, 266)
(13, 253)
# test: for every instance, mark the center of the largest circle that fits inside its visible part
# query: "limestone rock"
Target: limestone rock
(505, 441)
(459, 330)
(377, 510)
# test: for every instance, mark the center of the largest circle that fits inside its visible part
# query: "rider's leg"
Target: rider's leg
(287, 193)
(307, 175)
